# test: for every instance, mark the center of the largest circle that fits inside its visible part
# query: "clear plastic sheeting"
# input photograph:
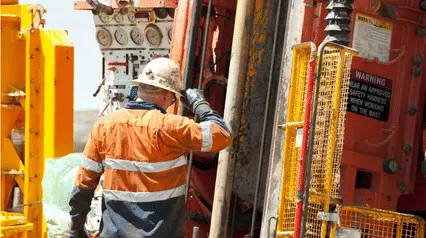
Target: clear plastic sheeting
(58, 182)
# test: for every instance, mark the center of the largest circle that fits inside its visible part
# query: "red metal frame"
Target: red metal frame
(214, 85)
(368, 142)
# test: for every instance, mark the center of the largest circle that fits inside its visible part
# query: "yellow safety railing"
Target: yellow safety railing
(295, 112)
(375, 223)
(326, 144)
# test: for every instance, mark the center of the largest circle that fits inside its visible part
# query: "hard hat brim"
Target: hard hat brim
(155, 84)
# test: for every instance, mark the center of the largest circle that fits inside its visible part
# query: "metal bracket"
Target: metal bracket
(37, 11)
(326, 216)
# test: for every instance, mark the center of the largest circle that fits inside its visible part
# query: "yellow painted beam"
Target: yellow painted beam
(9, 231)
(12, 219)
(58, 64)
(11, 158)
(10, 18)
(39, 62)
(5, 2)
(12, 73)
(10, 10)
(12, 77)
(34, 160)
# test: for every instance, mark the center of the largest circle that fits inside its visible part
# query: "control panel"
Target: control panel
(128, 39)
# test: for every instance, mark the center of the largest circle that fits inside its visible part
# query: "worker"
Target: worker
(140, 151)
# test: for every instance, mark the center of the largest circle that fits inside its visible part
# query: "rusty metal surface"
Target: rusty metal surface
(255, 100)
(269, 94)
(294, 18)
(232, 116)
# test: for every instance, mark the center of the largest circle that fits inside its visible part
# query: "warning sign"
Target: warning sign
(372, 37)
(369, 95)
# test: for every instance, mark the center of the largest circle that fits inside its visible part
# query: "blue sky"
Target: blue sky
(79, 24)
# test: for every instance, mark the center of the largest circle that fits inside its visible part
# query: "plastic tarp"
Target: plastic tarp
(58, 183)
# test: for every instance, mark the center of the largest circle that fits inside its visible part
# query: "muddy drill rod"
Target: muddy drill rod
(232, 116)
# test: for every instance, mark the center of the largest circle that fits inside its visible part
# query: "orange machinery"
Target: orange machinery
(382, 146)
(383, 154)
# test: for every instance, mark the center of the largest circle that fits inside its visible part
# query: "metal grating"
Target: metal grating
(337, 157)
(323, 126)
(375, 223)
(315, 228)
(329, 127)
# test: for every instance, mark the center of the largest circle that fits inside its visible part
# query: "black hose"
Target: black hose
(189, 71)
(191, 48)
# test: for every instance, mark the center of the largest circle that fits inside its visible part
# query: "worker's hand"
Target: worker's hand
(78, 234)
(96, 235)
(192, 98)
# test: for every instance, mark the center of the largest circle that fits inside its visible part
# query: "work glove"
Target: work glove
(192, 98)
(78, 234)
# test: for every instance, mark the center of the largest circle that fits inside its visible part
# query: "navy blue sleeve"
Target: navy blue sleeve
(205, 113)
(80, 206)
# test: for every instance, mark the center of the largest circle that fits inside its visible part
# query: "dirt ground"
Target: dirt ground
(83, 121)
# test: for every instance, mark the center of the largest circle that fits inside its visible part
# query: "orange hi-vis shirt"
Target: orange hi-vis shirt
(141, 153)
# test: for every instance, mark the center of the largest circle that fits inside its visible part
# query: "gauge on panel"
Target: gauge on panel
(169, 34)
(124, 11)
(161, 12)
(171, 12)
(121, 36)
(136, 36)
(118, 18)
(132, 17)
(153, 35)
(104, 37)
(104, 17)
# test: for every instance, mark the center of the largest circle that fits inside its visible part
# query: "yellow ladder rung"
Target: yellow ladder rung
(297, 124)
(285, 233)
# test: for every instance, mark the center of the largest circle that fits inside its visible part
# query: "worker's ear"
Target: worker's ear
(169, 97)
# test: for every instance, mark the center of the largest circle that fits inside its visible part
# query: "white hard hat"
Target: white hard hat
(162, 73)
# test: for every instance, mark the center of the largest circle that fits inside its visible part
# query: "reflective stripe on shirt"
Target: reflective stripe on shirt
(143, 196)
(207, 137)
(147, 167)
(91, 165)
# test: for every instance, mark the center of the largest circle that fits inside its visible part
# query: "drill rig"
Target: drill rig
(325, 101)
(370, 156)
